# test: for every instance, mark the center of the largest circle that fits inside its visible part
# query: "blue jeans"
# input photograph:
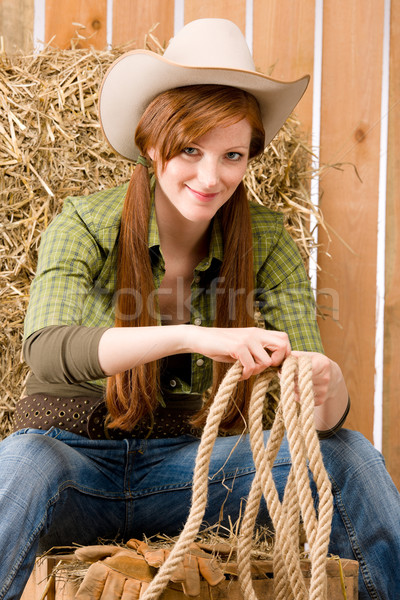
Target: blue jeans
(58, 488)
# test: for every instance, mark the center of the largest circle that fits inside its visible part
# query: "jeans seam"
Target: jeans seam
(129, 509)
(69, 484)
(354, 542)
(188, 484)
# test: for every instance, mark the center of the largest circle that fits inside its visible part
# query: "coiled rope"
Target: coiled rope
(298, 420)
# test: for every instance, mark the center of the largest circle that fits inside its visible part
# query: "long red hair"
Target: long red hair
(172, 121)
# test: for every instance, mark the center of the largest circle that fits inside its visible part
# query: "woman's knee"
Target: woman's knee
(353, 446)
(32, 457)
(349, 454)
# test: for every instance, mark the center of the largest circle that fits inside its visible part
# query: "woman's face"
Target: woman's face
(198, 181)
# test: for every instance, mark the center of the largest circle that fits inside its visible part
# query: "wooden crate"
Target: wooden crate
(41, 579)
(61, 589)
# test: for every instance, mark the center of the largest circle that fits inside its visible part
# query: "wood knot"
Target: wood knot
(96, 24)
(360, 134)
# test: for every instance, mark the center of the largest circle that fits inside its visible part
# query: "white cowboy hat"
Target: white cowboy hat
(211, 51)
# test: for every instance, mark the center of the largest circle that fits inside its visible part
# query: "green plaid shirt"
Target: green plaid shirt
(76, 277)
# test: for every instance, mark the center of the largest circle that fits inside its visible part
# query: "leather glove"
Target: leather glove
(116, 573)
(196, 562)
(123, 574)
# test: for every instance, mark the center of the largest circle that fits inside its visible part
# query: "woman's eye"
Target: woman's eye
(190, 151)
(234, 155)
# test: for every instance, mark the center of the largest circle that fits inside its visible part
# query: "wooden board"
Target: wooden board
(391, 374)
(16, 25)
(350, 133)
(284, 45)
(62, 19)
(133, 20)
(235, 10)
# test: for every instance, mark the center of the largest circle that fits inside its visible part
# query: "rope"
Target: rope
(297, 501)
(303, 443)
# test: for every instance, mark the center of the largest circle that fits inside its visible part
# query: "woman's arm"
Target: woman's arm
(257, 349)
(126, 347)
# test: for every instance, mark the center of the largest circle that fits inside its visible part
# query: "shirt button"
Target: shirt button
(197, 321)
(197, 279)
(172, 383)
(199, 362)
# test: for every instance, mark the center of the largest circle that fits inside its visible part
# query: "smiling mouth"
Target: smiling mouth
(202, 195)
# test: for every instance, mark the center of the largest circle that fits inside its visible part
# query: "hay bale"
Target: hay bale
(51, 146)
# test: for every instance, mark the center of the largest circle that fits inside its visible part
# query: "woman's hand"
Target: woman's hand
(326, 375)
(330, 391)
(256, 348)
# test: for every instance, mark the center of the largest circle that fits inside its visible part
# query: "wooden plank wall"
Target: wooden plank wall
(391, 374)
(133, 20)
(16, 25)
(350, 133)
(283, 45)
(86, 21)
(352, 47)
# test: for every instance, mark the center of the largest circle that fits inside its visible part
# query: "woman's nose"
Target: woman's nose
(208, 173)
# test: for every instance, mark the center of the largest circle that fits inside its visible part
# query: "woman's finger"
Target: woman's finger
(261, 357)
(278, 346)
(247, 361)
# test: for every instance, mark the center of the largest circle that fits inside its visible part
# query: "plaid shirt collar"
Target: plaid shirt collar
(216, 248)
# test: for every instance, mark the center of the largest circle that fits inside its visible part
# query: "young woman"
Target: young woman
(143, 297)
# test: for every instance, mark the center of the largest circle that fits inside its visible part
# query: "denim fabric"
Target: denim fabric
(57, 488)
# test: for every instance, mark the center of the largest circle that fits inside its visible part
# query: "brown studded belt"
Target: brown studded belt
(86, 416)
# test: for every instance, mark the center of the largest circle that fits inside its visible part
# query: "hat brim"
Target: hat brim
(123, 97)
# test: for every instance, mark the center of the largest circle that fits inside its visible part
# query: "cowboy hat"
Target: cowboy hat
(211, 51)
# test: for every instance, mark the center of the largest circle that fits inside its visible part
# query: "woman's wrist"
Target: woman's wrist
(187, 338)
(326, 433)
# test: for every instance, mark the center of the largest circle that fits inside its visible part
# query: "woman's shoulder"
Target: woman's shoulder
(100, 210)
(265, 221)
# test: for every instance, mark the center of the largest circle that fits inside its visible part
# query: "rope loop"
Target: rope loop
(298, 421)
